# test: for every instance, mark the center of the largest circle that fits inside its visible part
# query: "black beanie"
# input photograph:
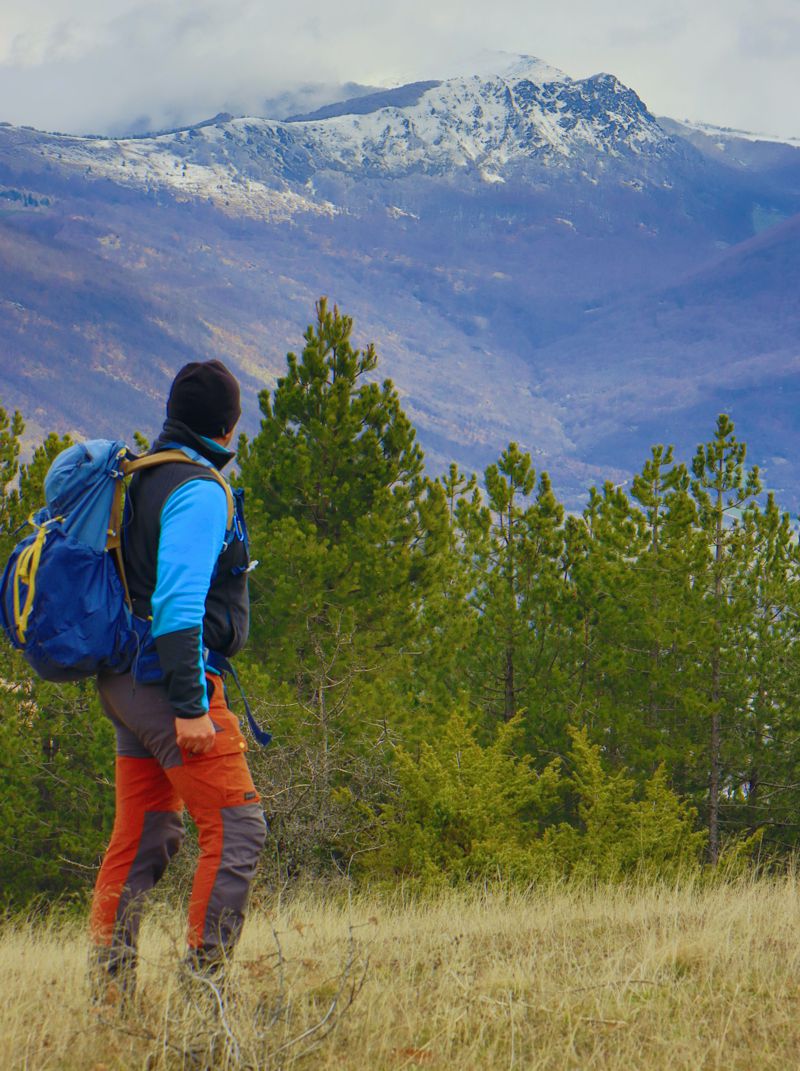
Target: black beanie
(205, 396)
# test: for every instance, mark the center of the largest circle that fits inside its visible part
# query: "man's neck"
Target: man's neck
(178, 432)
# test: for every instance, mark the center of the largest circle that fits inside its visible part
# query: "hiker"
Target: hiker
(177, 742)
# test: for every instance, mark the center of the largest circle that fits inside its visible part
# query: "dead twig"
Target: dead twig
(617, 981)
(330, 1019)
(603, 1022)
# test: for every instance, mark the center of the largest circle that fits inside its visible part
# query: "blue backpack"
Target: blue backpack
(64, 599)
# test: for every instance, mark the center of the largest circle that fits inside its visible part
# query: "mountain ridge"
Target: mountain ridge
(532, 269)
(440, 127)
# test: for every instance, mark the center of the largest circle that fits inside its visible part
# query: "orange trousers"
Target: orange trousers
(155, 779)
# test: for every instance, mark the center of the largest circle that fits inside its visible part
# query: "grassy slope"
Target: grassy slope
(609, 979)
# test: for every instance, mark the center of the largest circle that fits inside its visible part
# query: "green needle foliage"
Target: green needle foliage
(353, 540)
(464, 680)
(767, 730)
(469, 812)
(353, 527)
(618, 835)
(464, 811)
(513, 544)
(722, 489)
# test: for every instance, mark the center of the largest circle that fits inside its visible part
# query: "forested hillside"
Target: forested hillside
(463, 678)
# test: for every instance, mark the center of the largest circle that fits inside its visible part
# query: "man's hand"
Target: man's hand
(195, 735)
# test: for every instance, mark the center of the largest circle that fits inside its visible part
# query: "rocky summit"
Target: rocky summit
(537, 258)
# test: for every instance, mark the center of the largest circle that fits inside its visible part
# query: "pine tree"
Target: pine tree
(336, 487)
(508, 484)
(663, 727)
(515, 542)
(11, 429)
(349, 533)
(603, 547)
(722, 488)
(448, 620)
(768, 646)
(631, 565)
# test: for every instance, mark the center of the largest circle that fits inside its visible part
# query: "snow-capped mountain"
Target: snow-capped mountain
(536, 257)
(535, 114)
(532, 115)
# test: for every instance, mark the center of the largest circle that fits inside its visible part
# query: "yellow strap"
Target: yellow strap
(114, 539)
(25, 573)
(149, 461)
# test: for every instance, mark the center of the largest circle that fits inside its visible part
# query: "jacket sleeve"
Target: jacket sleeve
(192, 536)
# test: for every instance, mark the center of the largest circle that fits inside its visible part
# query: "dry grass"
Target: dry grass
(617, 978)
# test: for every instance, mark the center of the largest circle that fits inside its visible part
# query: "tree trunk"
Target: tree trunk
(510, 707)
(713, 789)
(716, 726)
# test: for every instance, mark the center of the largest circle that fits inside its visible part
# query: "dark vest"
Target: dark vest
(227, 612)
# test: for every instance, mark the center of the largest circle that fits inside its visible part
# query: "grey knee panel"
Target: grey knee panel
(244, 834)
(161, 837)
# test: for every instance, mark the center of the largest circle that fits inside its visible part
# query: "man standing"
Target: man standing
(177, 743)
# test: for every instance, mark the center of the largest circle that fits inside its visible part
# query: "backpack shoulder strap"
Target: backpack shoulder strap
(150, 461)
(127, 467)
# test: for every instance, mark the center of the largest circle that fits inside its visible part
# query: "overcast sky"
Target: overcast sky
(108, 65)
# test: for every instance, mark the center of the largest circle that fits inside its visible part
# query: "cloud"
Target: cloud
(102, 65)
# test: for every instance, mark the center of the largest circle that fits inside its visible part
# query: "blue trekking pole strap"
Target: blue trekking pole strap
(220, 662)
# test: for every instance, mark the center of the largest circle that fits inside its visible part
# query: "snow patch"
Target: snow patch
(399, 213)
(728, 133)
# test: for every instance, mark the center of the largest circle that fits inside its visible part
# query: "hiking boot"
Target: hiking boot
(204, 986)
(204, 981)
(112, 979)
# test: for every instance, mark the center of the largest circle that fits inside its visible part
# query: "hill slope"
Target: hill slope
(536, 258)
